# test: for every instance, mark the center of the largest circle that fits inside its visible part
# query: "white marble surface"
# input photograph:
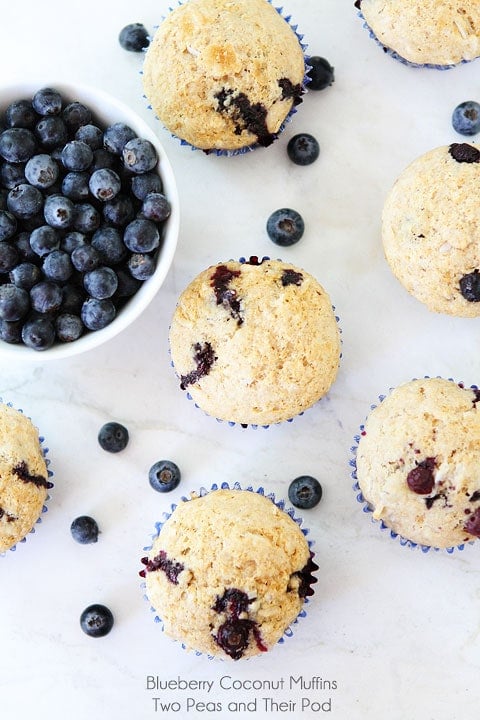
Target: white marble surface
(397, 630)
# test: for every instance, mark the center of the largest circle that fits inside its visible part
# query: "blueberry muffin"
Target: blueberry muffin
(228, 573)
(23, 476)
(255, 342)
(432, 33)
(430, 229)
(417, 462)
(224, 74)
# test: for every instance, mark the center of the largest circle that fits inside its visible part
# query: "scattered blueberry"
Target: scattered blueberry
(303, 149)
(305, 492)
(164, 476)
(466, 118)
(96, 620)
(285, 227)
(113, 437)
(134, 37)
(321, 73)
(84, 530)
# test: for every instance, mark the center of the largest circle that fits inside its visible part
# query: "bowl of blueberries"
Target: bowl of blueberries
(89, 219)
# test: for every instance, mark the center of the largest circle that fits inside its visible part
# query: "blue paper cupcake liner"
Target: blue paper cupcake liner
(288, 632)
(254, 426)
(45, 451)
(396, 56)
(366, 506)
(242, 151)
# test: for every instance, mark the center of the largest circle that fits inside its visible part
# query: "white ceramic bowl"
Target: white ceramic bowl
(107, 110)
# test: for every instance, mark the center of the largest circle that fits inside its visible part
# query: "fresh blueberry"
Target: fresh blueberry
(119, 211)
(303, 149)
(156, 207)
(17, 145)
(25, 275)
(141, 236)
(8, 257)
(104, 184)
(100, 283)
(140, 266)
(38, 333)
(108, 242)
(57, 266)
(77, 156)
(139, 155)
(90, 134)
(59, 211)
(72, 240)
(116, 136)
(11, 332)
(134, 37)
(113, 437)
(46, 297)
(321, 73)
(285, 227)
(103, 158)
(76, 114)
(41, 171)
(305, 492)
(84, 530)
(14, 302)
(96, 620)
(75, 186)
(164, 476)
(466, 118)
(85, 258)
(86, 218)
(47, 101)
(51, 132)
(143, 185)
(12, 174)
(97, 314)
(44, 239)
(127, 285)
(8, 225)
(68, 327)
(20, 113)
(22, 242)
(25, 201)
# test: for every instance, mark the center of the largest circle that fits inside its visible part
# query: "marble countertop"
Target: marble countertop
(391, 632)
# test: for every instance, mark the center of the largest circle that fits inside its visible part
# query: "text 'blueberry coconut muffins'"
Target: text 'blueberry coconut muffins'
(224, 75)
(417, 463)
(431, 226)
(228, 572)
(255, 342)
(427, 33)
(24, 477)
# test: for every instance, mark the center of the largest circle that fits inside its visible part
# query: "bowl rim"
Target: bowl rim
(105, 108)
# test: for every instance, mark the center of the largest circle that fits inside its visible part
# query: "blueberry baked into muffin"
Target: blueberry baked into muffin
(255, 342)
(428, 33)
(417, 462)
(23, 476)
(224, 74)
(228, 573)
(430, 229)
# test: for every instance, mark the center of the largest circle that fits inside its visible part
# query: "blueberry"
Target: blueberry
(46, 297)
(17, 145)
(51, 132)
(75, 186)
(59, 211)
(119, 211)
(141, 236)
(44, 239)
(38, 333)
(72, 240)
(141, 267)
(139, 155)
(146, 183)
(104, 184)
(113, 437)
(11, 332)
(164, 476)
(8, 225)
(127, 285)
(305, 492)
(22, 243)
(84, 530)
(47, 101)
(77, 155)
(57, 266)
(285, 227)
(76, 114)
(8, 257)
(41, 171)
(68, 327)
(108, 242)
(470, 286)
(85, 258)
(90, 134)
(86, 218)
(14, 302)
(12, 174)
(73, 297)
(25, 275)
(100, 283)
(134, 37)
(96, 620)
(20, 113)
(24, 201)
(303, 149)
(321, 73)
(116, 136)
(156, 207)
(466, 118)
(103, 159)
(97, 314)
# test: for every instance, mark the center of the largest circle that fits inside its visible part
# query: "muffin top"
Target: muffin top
(418, 459)
(433, 32)
(430, 229)
(255, 342)
(224, 74)
(23, 476)
(228, 573)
